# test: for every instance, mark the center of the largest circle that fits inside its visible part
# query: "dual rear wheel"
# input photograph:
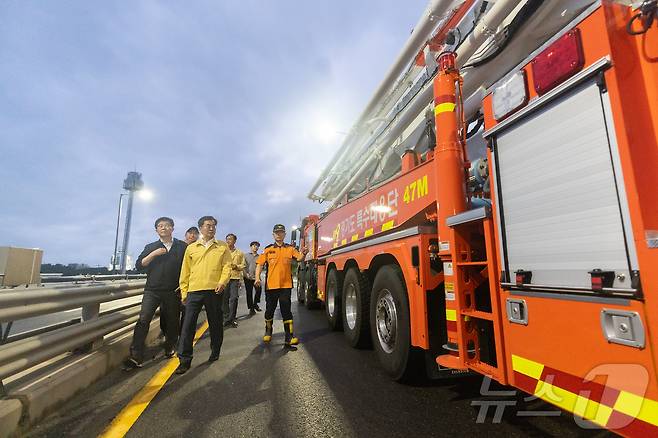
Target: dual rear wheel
(377, 316)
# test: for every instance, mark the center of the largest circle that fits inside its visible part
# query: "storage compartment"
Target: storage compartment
(558, 195)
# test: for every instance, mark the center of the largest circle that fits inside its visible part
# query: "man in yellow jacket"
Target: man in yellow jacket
(204, 275)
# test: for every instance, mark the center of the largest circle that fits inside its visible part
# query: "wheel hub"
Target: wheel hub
(350, 306)
(386, 321)
(331, 299)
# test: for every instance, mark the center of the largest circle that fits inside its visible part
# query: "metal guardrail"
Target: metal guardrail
(25, 352)
(85, 278)
(26, 303)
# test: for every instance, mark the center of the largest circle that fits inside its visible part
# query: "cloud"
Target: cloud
(226, 108)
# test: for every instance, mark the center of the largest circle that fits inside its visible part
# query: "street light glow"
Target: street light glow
(145, 194)
(294, 227)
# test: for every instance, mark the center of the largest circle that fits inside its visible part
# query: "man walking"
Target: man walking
(191, 235)
(277, 258)
(205, 273)
(230, 299)
(161, 260)
(250, 277)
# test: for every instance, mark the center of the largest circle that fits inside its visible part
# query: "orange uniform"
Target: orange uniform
(278, 261)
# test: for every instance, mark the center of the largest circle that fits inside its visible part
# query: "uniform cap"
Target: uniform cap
(278, 227)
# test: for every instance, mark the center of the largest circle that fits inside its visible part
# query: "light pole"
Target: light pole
(132, 183)
(116, 236)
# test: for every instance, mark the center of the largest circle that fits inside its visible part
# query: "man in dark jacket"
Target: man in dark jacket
(161, 260)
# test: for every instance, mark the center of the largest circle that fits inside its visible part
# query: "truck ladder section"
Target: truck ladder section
(470, 288)
(466, 237)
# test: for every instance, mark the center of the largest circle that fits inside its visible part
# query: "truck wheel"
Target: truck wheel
(311, 292)
(332, 300)
(301, 287)
(356, 309)
(389, 324)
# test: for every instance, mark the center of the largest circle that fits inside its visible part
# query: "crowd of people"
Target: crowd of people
(201, 272)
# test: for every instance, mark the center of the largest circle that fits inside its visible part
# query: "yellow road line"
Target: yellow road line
(129, 415)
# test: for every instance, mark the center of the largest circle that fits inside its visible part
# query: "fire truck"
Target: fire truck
(494, 209)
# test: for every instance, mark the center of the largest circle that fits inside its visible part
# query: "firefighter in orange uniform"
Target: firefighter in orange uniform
(277, 258)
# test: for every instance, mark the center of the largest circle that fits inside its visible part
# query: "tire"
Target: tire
(356, 309)
(332, 300)
(301, 283)
(390, 325)
(301, 288)
(310, 291)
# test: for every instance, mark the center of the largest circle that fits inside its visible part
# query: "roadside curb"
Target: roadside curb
(30, 401)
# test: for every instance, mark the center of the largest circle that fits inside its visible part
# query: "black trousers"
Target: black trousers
(252, 298)
(169, 304)
(193, 304)
(274, 297)
(181, 310)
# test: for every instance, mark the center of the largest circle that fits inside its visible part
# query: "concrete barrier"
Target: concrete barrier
(34, 396)
(10, 416)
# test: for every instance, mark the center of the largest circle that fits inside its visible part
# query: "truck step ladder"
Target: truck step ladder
(478, 314)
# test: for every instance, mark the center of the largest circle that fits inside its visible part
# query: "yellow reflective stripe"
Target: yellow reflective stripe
(368, 232)
(444, 108)
(387, 226)
(343, 242)
(567, 400)
(451, 315)
(355, 237)
(527, 367)
(637, 407)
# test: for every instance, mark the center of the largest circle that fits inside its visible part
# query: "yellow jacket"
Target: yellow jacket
(205, 268)
(238, 260)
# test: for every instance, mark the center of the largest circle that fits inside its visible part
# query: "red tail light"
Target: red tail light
(558, 62)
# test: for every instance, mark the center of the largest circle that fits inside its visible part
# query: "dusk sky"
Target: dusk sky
(228, 108)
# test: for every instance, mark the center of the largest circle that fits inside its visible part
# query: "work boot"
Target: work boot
(268, 330)
(290, 338)
(183, 367)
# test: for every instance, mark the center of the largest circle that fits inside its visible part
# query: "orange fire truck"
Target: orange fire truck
(500, 216)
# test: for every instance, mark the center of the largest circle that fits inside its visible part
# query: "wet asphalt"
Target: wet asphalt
(324, 388)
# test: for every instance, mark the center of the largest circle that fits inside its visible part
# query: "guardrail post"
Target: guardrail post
(90, 312)
(4, 334)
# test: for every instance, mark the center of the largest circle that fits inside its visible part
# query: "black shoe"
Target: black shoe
(169, 352)
(234, 324)
(131, 363)
(213, 357)
(252, 312)
(182, 368)
(227, 323)
(257, 309)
